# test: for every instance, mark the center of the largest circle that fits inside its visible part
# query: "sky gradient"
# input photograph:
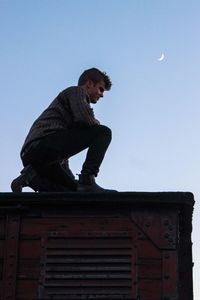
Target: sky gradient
(153, 108)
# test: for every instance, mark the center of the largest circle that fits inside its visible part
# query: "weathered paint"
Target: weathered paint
(96, 246)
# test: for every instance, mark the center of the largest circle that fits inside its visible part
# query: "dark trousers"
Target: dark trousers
(48, 153)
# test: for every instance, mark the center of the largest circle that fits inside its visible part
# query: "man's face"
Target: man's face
(95, 91)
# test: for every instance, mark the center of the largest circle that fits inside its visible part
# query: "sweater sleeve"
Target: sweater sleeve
(80, 108)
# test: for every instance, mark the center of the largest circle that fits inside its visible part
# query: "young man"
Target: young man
(65, 128)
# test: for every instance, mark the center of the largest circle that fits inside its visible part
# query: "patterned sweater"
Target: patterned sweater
(70, 106)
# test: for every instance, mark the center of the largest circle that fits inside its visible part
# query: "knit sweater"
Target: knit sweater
(70, 106)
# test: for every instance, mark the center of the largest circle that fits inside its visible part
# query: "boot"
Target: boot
(23, 180)
(86, 183)
(29, 178)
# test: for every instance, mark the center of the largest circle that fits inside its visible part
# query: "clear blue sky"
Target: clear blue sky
(153, 108)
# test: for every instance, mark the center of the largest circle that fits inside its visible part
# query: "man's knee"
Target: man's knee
(106, 131)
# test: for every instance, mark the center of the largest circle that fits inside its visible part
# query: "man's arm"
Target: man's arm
(80, 108)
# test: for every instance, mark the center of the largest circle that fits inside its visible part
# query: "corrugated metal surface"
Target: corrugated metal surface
(96, 266)
(134, 246)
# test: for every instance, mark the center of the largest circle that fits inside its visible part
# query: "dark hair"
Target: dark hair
(95, 76)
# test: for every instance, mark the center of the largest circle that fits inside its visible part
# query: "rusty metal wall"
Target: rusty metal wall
(118, 246)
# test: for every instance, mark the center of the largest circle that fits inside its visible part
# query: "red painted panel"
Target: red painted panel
(27, 290)
(170, 273)
(36, 226)
(147, 249)
(150, 289)
(149, 268)
(160, 226)
(30, 249)
(28, 269)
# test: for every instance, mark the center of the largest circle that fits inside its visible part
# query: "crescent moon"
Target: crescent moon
(162, 57)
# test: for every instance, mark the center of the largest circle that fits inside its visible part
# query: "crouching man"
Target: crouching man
(65, 128)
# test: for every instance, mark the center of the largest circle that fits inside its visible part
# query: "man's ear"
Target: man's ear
(89, 83)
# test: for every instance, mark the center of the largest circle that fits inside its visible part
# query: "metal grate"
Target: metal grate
(86, 268)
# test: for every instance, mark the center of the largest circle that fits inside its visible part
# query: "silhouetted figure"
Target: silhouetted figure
(65, 128)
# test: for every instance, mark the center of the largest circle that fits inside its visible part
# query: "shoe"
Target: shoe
(86, 183)
(27, 175)
(30, 178)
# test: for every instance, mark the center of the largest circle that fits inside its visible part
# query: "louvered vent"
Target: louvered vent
(95, 267)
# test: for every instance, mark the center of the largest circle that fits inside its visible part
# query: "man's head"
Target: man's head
(95, 83)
